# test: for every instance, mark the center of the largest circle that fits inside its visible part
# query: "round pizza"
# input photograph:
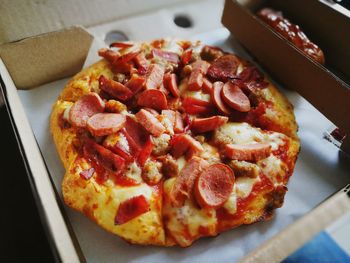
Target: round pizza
(168, 141)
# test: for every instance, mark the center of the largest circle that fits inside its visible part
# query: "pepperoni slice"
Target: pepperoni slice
(184, 182)
(214, 186)
(114, 88)
(135, 83)
(108, 54)
(154, 77)
(199, 125)
(183, 143)
(84, 108)
(131, 209)
(224, 68)
(247, 152)
(235, 98)
(216, 98)
(150, 123)
(167, 55)
(102, 124)
(154, 99)
(170, 83)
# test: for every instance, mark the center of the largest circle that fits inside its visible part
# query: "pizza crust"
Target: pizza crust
(163, 224)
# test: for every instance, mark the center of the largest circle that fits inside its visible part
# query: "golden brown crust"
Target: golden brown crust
(100, 201)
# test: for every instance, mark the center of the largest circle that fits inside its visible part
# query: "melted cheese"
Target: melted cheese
(273, 168)
(187, 219)
(134, 172)
(243, 133)
(231, 203)
(244, 185)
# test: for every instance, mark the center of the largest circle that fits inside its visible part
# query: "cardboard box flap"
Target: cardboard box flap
(22, 19)
(325, 26)
(27, 62)
(288, 65)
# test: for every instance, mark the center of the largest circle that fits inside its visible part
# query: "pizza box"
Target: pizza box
(34, 67)
(326, 87)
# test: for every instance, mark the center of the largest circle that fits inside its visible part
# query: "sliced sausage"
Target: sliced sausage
(214, 186)
(84, 108)
(167, 55)
(183, 143)
(196, 106)
(135, 134)
(150, 123)
(186, 56)
(102, 124)
(216, 98)
(199, 69)
(207, 124)
(154, 99)
(184, 182)
(135, 83)
(235, 98)
(121, 44)
(170, 115)
(145, 152)
(247, 152)
(131, 208)
(195, 80)
(170, 83)
(154, 76)
(114, 88)
(207, 85)
(109, 54)
(142, 63)
(224, 68)
(103, 156)
(179, 123)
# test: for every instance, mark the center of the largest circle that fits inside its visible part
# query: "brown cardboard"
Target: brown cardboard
(21, 19)
(328, 93)
(63, 244)
(297, 234)
(37, 60)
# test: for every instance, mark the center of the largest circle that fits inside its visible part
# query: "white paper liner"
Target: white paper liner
(320, 171)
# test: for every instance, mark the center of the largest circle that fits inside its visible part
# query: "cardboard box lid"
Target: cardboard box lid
(22, 19)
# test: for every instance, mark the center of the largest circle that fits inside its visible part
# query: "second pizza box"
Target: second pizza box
(56, 55)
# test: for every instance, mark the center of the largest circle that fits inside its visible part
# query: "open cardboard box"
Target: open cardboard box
(56, 55)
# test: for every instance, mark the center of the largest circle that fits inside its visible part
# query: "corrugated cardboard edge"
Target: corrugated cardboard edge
(27, 60)
(44, 192)
(329, 94)
(294, 236)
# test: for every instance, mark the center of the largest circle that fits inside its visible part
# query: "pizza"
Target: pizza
(168, 141)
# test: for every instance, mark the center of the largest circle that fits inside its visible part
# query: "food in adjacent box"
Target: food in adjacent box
(165, 142)
(291, 32)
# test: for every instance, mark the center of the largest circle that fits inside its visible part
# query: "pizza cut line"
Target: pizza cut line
(168, 141)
